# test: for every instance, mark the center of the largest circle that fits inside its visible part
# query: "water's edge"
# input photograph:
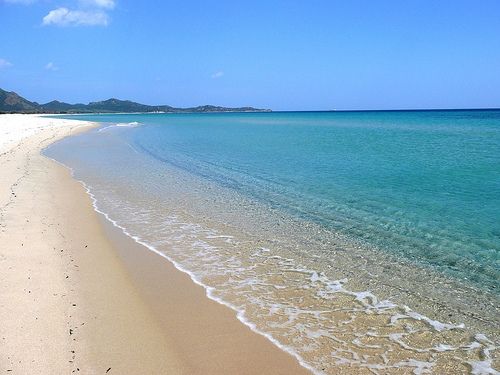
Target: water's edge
(240, 314)
(484, 367)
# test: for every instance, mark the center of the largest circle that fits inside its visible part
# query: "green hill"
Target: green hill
(10, 102)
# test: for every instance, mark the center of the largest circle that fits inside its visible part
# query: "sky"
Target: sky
(277, 54)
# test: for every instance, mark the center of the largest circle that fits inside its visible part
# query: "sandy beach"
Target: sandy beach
(78, 297)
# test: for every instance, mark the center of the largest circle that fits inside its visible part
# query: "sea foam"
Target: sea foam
(314, 323)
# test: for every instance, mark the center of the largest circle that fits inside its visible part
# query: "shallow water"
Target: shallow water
(361, 240)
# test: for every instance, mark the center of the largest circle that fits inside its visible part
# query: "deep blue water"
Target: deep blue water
(423, 185)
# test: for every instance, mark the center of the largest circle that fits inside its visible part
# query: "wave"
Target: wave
(132, 124)
(326, 290)
(314, 325)
(209, 291)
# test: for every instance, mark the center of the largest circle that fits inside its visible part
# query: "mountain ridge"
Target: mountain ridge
(11, 102)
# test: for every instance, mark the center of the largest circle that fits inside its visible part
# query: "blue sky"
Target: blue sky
(284, 55)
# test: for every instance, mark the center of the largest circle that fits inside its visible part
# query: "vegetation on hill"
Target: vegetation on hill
(10, 102)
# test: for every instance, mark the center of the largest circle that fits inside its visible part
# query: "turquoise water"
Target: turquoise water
(360, 242)
(422, 185)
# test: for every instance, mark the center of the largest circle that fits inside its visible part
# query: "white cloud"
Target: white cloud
(217, 75)
(24, 2)
(67, 17)
(51, 66)
(4, 63)
(105, 4)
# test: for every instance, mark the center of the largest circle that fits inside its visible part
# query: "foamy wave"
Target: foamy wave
(129, 124)
(333, 328)
(121, 124)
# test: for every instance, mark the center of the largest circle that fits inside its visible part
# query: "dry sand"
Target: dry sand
(76, 296)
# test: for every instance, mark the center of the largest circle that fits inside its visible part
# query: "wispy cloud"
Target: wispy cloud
(66, 17)
(24, 2)
(105, 4)
(217, 75)
(51, 66)
(4, 63)
(88, 13)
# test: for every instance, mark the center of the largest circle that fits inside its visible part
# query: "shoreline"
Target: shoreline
(134, 251)
(242, 259)
(121, 326)
(181, 330)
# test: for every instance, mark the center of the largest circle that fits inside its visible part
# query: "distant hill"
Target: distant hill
(10, 102)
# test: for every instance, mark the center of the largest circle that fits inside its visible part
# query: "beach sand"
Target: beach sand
(77, 296)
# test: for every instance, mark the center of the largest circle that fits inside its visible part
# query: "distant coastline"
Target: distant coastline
(11, 102)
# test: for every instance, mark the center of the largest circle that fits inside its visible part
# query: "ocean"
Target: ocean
(363, 241)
